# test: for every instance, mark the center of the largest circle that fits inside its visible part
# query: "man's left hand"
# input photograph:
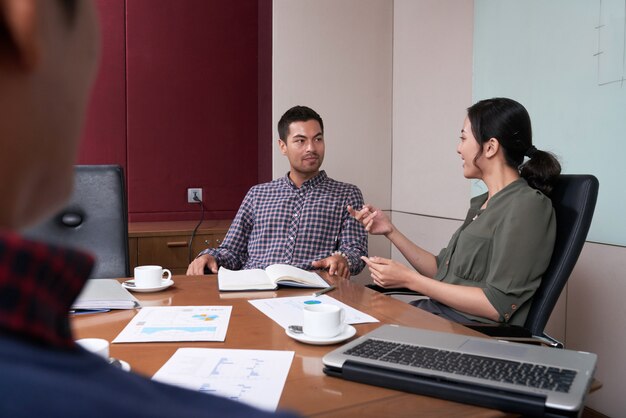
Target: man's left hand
(336, 264)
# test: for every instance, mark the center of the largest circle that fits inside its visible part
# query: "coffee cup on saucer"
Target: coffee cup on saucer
(148, 277)
(323, 320)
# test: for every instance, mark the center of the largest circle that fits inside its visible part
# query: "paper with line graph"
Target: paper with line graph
(177, 323)
(255, 377)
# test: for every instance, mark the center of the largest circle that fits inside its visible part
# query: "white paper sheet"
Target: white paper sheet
(255, 377)
(177, 323)
(288, 311)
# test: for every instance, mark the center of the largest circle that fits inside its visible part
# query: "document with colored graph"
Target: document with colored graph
(177, 323)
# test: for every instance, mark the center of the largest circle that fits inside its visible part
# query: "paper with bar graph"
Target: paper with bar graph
(177, 323)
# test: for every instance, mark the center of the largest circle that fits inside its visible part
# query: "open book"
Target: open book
(268, 279)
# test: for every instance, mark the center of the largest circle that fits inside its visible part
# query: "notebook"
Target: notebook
(512, 377)
(102, 294)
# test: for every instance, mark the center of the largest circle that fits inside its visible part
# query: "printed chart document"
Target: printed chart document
(255, 377)
(104, 294)
(288, 311)
(177, 323)
(268, 279)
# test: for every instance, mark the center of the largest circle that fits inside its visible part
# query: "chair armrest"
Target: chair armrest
(497, 330)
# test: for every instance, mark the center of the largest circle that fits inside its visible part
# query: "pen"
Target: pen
(321, 292)
(88, 311)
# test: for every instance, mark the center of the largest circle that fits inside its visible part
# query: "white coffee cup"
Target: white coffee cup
(323, 320)
(151, 276)
(97, 346)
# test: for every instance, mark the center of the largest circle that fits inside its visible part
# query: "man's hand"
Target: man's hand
(196, 268)
(336, 265)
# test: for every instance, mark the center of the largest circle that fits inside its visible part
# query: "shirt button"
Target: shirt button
(514, 307)
(295, 215)
(506, 316)
(291, 238)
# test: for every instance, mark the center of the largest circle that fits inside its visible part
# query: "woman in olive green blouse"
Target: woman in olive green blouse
(493, 263)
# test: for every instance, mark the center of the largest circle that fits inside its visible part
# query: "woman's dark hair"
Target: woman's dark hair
(508, 121)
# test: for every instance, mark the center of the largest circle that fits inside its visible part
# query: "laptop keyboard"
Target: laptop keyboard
(507, 371)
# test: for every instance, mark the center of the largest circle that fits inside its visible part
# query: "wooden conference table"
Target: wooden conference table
(307, 390)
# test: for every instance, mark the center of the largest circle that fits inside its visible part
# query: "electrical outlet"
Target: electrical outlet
(193, 193)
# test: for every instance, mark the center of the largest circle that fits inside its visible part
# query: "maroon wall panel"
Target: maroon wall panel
(104, 137)
(267, 133)
(193, 105)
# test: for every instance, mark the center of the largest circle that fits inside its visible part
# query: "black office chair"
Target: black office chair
(574, 200)
(95, 219)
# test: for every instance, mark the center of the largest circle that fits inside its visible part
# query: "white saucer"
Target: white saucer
(165, 283)
(348, 332)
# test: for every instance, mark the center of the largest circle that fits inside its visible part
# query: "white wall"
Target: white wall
(596, 315)
(336, 57)
(432, 87)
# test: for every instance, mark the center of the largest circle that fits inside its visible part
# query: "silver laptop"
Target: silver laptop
(520, 378)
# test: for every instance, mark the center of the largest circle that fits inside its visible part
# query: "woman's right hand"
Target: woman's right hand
(374, 220)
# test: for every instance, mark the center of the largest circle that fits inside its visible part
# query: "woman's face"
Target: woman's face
(468, 148)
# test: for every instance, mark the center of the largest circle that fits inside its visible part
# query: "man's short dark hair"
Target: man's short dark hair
(297, 114)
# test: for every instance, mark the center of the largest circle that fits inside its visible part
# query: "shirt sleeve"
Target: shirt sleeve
(233, 251)
(353, 237)
(522, 247)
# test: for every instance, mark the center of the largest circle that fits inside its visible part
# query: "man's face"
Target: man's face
(304, 148)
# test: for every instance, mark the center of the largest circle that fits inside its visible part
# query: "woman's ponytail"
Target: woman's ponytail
(541, 170)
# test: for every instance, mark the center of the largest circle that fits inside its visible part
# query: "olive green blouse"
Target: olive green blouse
(503, 249)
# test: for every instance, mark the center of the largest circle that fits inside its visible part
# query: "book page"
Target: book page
(254, 279)
(290, 275)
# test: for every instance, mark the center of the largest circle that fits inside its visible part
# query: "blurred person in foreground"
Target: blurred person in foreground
(48, 57)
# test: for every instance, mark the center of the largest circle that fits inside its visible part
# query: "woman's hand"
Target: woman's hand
(389, 273)
(374, 220)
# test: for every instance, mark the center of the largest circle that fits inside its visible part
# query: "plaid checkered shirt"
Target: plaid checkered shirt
(280, 223)
(38, 284)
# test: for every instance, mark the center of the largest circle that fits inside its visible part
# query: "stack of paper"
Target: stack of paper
(105, 294)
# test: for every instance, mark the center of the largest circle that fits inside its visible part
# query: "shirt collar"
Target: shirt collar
(38, 284)
(310, 183)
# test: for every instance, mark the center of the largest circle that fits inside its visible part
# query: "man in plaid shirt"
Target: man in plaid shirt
(300, 219)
